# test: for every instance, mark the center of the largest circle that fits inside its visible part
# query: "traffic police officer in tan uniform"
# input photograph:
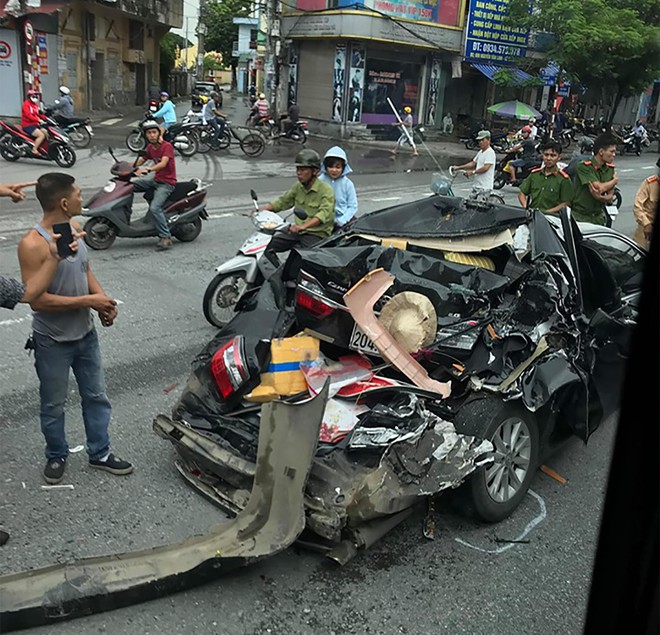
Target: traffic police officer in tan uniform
(645, 207)
(547, 188)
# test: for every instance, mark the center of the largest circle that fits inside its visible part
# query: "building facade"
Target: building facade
(351, 67)
(107, 53)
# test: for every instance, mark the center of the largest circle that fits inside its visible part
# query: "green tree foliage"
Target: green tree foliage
(169, 44)
(508, 77)
(221, 31)
(213, 62)
(610, 46)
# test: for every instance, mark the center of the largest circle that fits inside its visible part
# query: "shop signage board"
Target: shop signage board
(445, 12)
(365, 27)
(488, 39)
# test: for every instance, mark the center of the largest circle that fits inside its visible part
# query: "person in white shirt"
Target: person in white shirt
(482, 167)
(535, 130)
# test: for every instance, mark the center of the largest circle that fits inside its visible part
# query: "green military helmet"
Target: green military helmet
(308, 159)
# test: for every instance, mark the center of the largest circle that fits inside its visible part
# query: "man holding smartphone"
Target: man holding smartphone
(64, 334)
(12, 291)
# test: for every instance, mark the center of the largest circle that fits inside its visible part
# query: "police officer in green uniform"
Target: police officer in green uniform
(594, 183)
(547, 188)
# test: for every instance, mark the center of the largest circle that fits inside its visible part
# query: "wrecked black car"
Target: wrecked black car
(443, 344)
(461, 341)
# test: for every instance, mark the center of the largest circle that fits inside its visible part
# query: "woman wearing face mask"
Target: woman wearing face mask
(31, 120)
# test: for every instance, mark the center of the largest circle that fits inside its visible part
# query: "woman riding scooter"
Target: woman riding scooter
(31, 120)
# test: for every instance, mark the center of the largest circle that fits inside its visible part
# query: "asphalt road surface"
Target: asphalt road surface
(466, 581)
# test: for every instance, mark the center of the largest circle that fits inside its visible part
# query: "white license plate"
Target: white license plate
(360, 342)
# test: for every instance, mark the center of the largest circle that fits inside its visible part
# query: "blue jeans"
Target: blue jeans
(53, 361)
(161, 193)
(218, 126)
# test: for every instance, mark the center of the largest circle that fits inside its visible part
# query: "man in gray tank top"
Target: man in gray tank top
(64, 334)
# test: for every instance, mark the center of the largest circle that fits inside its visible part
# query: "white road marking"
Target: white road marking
(3, 237)
(385, 198)
(134, 124)
(627, 170)
(222, 215)
(649, 167)
(110, 122)
(540, 518)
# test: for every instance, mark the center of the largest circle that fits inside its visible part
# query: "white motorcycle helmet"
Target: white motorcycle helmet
(64, 90)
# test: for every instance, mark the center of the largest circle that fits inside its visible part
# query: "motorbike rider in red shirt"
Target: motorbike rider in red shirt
(161, 153)
(31, 120)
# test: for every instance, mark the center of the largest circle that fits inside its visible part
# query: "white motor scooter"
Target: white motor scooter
(246, 269)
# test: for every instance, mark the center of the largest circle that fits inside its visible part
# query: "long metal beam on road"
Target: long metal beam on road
(271, 522)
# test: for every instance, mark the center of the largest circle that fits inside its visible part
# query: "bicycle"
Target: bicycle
(252, 144)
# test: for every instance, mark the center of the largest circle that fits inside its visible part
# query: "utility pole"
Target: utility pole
(201, 32)
(273, 50)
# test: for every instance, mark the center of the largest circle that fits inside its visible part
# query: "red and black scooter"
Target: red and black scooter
(16, 143)
(109, 210)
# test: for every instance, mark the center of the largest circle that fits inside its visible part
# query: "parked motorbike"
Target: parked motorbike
(247, 269)
(78, 129)
(502, 177)
(270, 128)
(181, 135)
(16, 143)
(498, 141)
(566, 138)
(110, 209)
(631, 143)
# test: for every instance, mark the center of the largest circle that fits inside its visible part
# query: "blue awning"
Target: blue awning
(489, 71)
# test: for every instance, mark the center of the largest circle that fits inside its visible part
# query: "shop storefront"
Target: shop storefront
(390, 82)
(355, 66)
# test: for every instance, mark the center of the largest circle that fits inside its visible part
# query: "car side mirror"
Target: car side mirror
(300, 213)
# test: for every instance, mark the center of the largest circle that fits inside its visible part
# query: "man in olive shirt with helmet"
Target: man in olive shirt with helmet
(547, 188)
(310, 194)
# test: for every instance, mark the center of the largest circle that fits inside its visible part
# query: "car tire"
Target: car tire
(221, 296)
(495, 490)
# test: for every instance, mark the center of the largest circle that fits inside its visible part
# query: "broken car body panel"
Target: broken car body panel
(271, 521)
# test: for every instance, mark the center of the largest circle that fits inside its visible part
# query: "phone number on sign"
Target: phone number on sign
(497, 49)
